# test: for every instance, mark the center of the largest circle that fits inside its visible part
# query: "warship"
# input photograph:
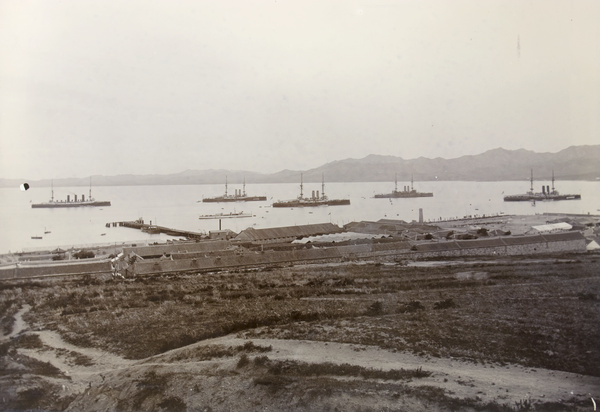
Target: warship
(75, 202)
(229, 215)
(406, 192)
(238, 196)
(314, 200)
(546, 194)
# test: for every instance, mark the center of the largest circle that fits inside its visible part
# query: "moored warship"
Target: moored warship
(314, 200)
(546, 194)
(405, 193)
(238, 196)
(75, 202)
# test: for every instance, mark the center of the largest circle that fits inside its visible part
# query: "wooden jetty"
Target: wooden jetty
(150, 228)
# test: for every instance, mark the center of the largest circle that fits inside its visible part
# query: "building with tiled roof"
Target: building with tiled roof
(285, 234)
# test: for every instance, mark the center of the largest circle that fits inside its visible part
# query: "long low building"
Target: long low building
(508, 245)
(72, 267)
(285, 234)
(208, 256)
(177, 248)
(570, 242)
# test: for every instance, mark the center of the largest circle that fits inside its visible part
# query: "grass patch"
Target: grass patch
(296, 368)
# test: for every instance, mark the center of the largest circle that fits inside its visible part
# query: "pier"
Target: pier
(150, 228)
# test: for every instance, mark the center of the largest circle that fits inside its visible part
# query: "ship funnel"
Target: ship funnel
(68, 198)
(317, 194)
(313, 194)
(83, 198)
(543, 189)
(548, 189)
(76, 198)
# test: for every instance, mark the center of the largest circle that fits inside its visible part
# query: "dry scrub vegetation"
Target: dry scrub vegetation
(536, 313)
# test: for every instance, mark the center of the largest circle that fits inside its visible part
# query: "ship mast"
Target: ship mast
(531, 181)
(244, 194)
(552, 181)
(52, 190)
(301, 186)
(395, 182)
(411, 182)
(225, 185)
(323, 186)
(90, 196)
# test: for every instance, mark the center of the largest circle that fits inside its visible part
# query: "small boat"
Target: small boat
(151, 229)
(36, 237)
(229, 215)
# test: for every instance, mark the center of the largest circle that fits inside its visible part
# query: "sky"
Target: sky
(144, 86)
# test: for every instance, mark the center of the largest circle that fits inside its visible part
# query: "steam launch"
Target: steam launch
(314, 200)
(75, 202)
(546, 194)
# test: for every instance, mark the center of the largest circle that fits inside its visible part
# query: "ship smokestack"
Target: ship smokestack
(420, 215)
(317, 194)
(313, 194)
(543, 189)
(68, 198)
(83, 198)
(548, 189)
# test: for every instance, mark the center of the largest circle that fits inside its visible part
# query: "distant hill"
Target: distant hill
(573, 163)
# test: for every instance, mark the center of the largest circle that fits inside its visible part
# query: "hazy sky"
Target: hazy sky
(111, 86)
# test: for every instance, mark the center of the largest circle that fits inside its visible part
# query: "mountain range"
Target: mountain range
(572, 163)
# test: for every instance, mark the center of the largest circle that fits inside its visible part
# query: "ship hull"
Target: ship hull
(310, 203)
(539, 197)
(53, 205)
(403, 195)
(232, 216)
(234, 199)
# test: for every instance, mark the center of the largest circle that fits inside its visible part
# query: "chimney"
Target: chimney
(420, 215)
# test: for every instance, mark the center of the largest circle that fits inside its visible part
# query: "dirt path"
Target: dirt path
(503, 384)
(64, 356)
(19, 324)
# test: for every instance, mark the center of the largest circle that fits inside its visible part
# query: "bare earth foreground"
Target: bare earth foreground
(509, 334)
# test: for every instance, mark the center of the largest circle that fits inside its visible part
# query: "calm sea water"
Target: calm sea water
(178, 207)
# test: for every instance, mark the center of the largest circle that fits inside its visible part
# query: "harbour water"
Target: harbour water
(180, 206)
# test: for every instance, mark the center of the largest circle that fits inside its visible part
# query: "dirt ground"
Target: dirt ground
(497, 335)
